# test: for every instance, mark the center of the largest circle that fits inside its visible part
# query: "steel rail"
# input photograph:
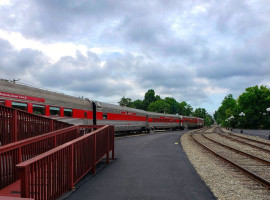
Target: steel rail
(218, 130)
(238, 151)
(242, 142)
(250, 174)
(249, 139)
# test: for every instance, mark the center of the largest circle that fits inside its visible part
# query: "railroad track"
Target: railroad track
(201, 130)
(254, 167)
(263, 145)
(217, 130)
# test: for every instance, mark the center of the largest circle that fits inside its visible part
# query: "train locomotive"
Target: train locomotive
(82, 111)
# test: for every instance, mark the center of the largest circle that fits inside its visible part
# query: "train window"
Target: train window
(54, 111)
(38, 109)
(2, 102)
(104, 116)
(85, 114)
(67, 112)
(21, 106)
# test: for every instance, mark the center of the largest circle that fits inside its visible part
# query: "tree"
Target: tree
(253, 102)
(200, 112)
(125, 102)
(149, 97)
(138, 104)
(159, 106)
(185, 109)
(208, 120)
(228, 108)
(174, 107)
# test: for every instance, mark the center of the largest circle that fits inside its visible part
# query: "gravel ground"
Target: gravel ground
(224, 181)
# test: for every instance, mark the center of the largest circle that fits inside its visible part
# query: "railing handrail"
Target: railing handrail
(36, 115)
(18, 144)
(54, 150)
(19, 125)
(27, 141)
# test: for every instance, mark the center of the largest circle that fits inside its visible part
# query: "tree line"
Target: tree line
(253, 103)
(154, 103)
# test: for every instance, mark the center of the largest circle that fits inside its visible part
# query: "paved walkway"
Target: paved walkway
(152, 166)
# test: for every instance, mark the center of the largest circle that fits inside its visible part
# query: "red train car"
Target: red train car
(76, 110)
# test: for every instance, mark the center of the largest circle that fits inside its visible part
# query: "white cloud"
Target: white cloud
(5, 2)
(199, 9)
(54, 50)
(102, 50)
(215, 90)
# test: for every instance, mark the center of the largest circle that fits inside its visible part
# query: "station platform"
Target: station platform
(151, 166)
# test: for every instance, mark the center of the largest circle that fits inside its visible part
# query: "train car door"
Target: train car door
(147, 122)
(94, 113)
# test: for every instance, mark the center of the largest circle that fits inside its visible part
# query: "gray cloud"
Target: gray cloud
(15, 62)
(226, 43)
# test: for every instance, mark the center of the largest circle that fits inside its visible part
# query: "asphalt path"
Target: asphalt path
(151, 166)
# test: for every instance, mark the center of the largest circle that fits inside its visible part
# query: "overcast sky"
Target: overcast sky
(193, 50)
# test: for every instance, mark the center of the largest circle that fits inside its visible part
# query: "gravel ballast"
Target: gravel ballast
(224, 181)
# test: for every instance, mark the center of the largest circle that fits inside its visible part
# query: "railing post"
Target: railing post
(24, 174)
(51, 125)
(112, 128)
(15, 126)
(95, 154)
(20, 155)
(108, 145)
(55, 142)
(71, 164)
(77, 132)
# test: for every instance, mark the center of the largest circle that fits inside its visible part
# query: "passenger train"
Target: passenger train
(82, 111)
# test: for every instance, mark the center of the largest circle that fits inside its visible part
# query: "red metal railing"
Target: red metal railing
(18, 125)
(53, 173)
(17, 152)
